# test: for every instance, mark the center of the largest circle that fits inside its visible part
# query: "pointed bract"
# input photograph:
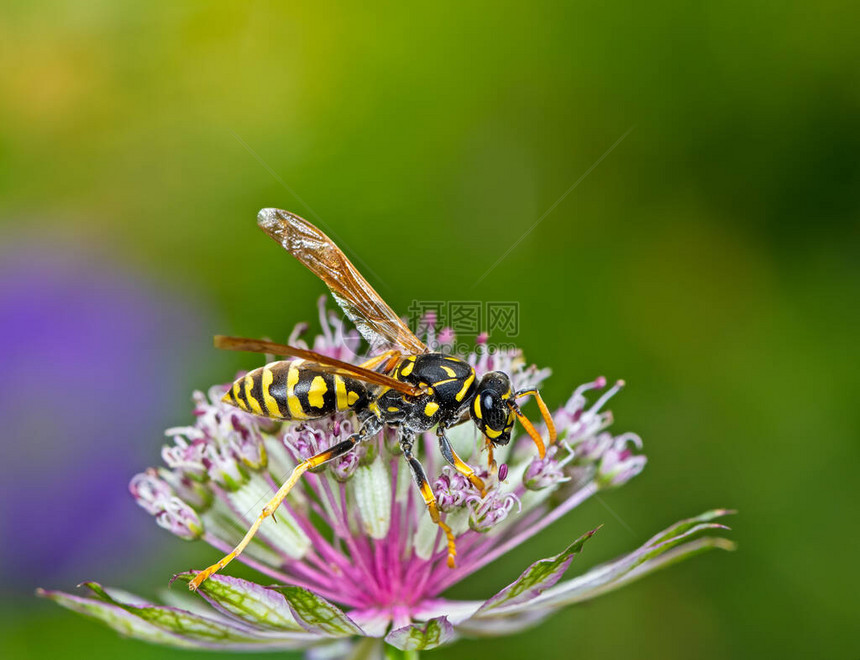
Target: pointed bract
(316, 615)
(537, 578)
(247, 601)
(423, 636)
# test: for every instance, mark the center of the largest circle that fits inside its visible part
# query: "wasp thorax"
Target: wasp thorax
(491, 410)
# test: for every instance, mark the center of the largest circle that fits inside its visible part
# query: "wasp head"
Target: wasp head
(491, 410)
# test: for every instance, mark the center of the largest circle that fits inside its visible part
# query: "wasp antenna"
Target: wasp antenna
(544, 411)
(530, 429)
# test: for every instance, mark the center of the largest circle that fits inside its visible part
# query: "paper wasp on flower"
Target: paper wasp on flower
(405, 386)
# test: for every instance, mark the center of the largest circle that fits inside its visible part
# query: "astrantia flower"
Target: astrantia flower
(352, 553)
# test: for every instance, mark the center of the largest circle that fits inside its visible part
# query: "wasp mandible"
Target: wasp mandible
(405, 386)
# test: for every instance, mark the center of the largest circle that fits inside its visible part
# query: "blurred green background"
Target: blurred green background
(711, 260)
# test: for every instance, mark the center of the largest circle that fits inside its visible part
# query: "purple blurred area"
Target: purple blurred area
(93, 364)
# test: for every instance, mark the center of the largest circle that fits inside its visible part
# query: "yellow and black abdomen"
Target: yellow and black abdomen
(295, 389)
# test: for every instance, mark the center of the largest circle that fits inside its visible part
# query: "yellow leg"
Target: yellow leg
(273, 504)
(430, 503)
(433, 510)
(491, 462)
(458, 463)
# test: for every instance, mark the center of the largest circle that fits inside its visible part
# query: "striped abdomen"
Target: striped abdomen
(295, 389)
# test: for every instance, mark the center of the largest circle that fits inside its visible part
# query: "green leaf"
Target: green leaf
(317, 615)
(174, 626)
(625, 570)
(685, 525)
(419, 637)
(181, 622)
(247, 601)
(536, 578)
(671, 545)
(115, 617)
(674, 544)
(676, 554)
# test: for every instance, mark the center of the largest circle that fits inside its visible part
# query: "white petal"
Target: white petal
(371, 486)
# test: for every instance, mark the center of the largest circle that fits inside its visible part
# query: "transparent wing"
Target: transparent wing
(375, 320)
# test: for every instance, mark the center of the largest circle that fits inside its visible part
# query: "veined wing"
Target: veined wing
(327, 364)
(375, 320)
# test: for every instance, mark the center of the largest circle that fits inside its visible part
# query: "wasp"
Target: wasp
(404, 386)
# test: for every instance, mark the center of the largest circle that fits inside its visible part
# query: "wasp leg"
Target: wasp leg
(391, 358)
(458, 464)
(544, 411)
(429, 498)
(491, 462)
(269, 510)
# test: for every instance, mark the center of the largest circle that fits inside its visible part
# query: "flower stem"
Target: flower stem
(392, 653)
(373, 648)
